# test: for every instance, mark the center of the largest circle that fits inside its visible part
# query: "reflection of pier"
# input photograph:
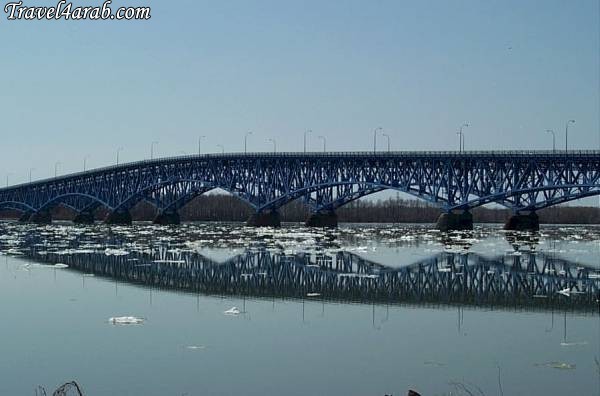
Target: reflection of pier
(523, 280)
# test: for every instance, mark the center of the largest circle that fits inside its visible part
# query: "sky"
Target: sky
(417, 69)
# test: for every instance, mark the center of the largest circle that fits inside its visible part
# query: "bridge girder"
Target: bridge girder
(522, 181)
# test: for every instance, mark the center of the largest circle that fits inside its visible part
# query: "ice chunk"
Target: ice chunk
(232, 311)
(126, 320)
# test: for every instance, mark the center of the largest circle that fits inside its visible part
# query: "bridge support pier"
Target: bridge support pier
(523, 222)
(167, 218)
(41, 217)
(455, 221)
(84, 218)
(119, 218)
(327, 219)
(265, 219)
(25, 217)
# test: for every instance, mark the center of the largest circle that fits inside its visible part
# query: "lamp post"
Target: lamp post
(375, 138)
(8, 174)
(56, 164)
(30, 170)
(567, 134)
(324, 143)
(118, 151)
(274, 144)
(388, 141)
(461, 139)
(200, 144)
(246, 141)
(152, 149)
(553, 139)
(85, 162)
(222, 148)
(305, 134)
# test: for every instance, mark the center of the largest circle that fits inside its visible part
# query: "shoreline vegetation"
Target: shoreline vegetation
(220, 207)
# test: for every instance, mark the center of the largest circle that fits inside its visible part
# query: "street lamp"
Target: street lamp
(118, 151)
(200, 144)
(152, 149)
(30, 170)
(222, 148)
(567, 134)
(246, 141)
(274, 145)
(305, 134)
(375, 138)
(388, 141)
(56, 164)
(461, 137)
(553, 139)
(8, 174)
(324, 143)
(85, 162)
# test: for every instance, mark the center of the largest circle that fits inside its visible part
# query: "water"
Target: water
(363, 310)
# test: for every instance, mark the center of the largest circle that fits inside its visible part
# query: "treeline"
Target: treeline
(391, 210)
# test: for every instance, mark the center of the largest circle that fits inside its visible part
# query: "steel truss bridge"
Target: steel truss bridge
(527, 280)
(524, 181)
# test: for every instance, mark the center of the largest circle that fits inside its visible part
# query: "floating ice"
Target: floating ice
(115, 252)
(232, 311)
(195, 347)
(126, 320)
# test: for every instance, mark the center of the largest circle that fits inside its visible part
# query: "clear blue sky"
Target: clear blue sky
(419, 69)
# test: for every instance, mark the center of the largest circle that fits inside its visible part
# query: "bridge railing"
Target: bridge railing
(332, 154)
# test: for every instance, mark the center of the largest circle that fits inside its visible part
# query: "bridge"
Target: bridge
(456, 182)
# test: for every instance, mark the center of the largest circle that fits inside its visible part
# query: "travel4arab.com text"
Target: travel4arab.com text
(67, 11)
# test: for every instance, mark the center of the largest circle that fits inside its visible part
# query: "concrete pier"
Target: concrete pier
(264, 219)
(25, 217)
(167, 218)
(42, 217)
(455, 221)
(523, 222)
(119, 218)
(84, 218)
(323, 219)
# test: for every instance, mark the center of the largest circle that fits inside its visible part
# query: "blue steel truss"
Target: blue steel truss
(523, 181)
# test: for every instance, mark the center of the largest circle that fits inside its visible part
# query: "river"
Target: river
(222, 309)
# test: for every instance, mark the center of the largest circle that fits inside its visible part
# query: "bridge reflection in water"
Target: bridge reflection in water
(527, 280)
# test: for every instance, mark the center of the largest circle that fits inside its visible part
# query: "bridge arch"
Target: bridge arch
(195, 188)
(20, 206)
(63, 199)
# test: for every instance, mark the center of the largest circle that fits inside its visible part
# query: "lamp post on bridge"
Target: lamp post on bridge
(274, 145)
(388, 141)
(305, 134)
(222, 148)
(567, 134)
(30, 170)
(461, 137)
(553, 139)
(200, 144)
(118, 151)
(85, 162)
(8, 174)
(246, 141)
(375, 138)
(56, 164)
(324, 143)
(152, 149)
